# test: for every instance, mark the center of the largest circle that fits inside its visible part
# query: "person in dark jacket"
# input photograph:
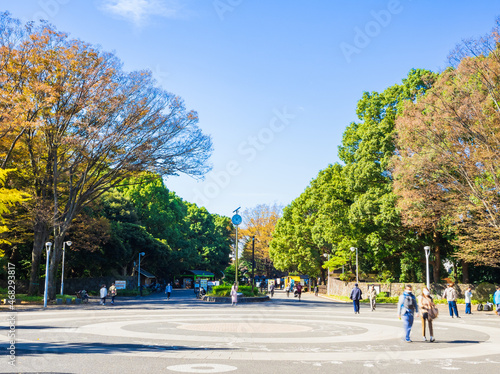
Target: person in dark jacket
(355, 297)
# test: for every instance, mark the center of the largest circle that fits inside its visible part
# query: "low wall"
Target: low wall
(341, 288)
(72, 285)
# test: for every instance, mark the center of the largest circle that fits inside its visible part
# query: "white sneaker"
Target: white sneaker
(425, 339)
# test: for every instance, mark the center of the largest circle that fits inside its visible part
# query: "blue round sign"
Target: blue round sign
(236, 219)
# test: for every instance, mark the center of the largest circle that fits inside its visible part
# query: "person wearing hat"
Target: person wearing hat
(355, 297)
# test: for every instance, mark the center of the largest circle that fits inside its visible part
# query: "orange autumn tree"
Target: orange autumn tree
(78, 125)
(447, 170)
(259, 223)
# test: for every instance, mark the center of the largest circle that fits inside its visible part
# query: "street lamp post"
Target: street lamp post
(139, 272)
(62, 274)
(327, 255)
(352, 250)
(253, 261)
(47, 248)
(427, 250)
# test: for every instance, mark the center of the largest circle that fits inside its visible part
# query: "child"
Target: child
(468, 300)
(104, 293)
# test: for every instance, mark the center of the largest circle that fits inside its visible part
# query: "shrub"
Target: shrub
(387, 300)
(225, 291)
(483, 291)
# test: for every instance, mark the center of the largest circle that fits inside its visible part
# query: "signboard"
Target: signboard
(204, 284)
(121, 285)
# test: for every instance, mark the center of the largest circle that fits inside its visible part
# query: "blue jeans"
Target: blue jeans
(452, 306)
(407, 324)
(356, 306)
(468, 308)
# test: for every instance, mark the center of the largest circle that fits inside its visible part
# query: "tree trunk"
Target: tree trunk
(465, 272)
(55, 259)
(436, 265)
(41, 232)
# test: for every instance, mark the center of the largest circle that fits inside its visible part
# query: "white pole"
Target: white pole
(427, 250)
(47, 248)
(357, 278)
(62, 274)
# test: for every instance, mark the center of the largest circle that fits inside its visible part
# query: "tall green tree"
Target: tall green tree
(367, 149)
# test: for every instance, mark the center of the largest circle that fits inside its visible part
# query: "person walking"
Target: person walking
(451, 296)
(426, 304)
(372, 294)
(316, 290)
(271, 288)
(468, 301)
(287, 289)
(355, 297)
(168, 290)
(234, 294)
(299, 290)
(103, 294)
(407, 307)
(496, 300)
(112, 293)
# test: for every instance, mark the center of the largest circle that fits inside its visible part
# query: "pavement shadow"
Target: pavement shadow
(99, 348)
(458, 341)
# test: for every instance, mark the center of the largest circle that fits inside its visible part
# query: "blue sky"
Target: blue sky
(275, 83)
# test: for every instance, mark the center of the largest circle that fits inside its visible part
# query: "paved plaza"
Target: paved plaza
(186, 335)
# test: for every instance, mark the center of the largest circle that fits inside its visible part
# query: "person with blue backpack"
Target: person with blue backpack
(407, 307)
(496, 300)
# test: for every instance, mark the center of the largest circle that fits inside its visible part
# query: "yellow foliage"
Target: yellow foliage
(8, 197)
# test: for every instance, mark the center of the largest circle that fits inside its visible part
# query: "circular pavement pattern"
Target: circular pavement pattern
(247, 327)
(202, 368)
(199, 340)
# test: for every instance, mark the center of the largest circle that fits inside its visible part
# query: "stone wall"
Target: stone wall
(340, 288)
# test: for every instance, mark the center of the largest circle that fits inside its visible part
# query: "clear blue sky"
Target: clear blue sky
(275, 83)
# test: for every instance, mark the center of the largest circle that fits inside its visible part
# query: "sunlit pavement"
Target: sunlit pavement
(284, 335)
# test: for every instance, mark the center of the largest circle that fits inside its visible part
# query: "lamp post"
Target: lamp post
(62, 274)
(352, 250)
(427, 250)
(47, 248)
(253, 261)
(327, 256)
(139, 272)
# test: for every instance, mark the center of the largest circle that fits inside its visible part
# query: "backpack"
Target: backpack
(409, 303)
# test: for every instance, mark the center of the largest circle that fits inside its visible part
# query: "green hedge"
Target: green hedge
(225, 291)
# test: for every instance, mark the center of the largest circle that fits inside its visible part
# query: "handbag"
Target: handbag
(433, 312)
